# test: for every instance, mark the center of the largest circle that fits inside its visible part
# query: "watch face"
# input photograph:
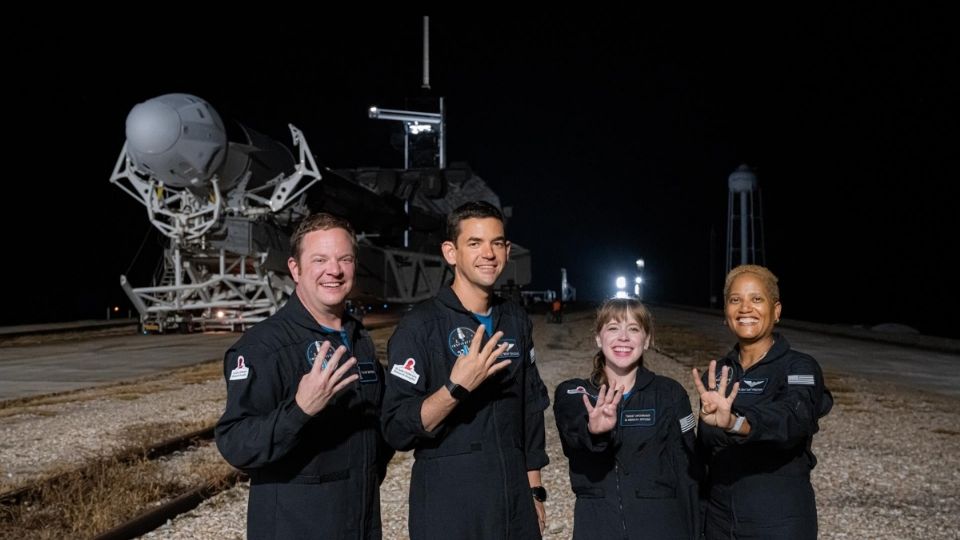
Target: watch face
(539, 493)
(456, 391)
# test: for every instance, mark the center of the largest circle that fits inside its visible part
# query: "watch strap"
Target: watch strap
(458, 392)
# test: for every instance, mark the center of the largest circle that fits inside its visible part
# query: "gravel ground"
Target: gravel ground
(889, 463)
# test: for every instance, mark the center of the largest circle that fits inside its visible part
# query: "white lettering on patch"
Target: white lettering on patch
(406, 371)
(240, 372)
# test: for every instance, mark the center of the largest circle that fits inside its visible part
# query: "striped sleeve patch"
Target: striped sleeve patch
(806, 380)
(687, 423)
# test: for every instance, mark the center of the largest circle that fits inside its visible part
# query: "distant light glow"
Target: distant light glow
(621, 282)
(221, 314)
(639, 263)
(638, 280)
(621, 294)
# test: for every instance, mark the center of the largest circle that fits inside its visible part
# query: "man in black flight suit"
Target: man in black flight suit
(304, 391)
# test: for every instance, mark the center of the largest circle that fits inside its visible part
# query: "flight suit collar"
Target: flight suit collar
(449, 298)
(302, 317)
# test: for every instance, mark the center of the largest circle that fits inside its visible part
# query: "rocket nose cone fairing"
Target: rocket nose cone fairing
(178, 139)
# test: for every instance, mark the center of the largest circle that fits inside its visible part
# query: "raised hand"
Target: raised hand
(320, 384)
(602, 417)
(480, 362)
(715, 405)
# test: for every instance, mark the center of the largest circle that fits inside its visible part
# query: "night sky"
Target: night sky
(611, 138)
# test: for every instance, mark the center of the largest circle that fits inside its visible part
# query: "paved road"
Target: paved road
(69, 365)
(931, 371)
(56, 367)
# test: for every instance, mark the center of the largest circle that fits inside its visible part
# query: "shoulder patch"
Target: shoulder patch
(406, 371)
(240, 372)
(804, 380)
(687, 423)
(580, 390)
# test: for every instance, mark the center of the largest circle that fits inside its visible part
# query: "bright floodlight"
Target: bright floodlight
(621, 282)
(621, 294)
(639, 264)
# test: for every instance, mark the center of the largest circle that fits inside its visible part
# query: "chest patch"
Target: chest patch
(459, 340)
(512, 350)
(313, 350)
(368, 372)
(752, 386)
(638, 417)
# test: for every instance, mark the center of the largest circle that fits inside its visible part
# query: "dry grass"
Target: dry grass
(106, 493)
(81, 502)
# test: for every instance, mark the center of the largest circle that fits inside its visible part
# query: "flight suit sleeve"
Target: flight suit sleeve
(408, 384)
(572, 420)
(260, 423)
(791, 416)
(536, 400)
(690, 468)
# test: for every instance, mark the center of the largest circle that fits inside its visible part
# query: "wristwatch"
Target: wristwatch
(737, 425)
(458, 392)
(539, 493)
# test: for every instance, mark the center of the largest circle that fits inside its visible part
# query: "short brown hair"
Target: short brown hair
(619, 309)
(319, 222)
(766, 277)
(475, 209)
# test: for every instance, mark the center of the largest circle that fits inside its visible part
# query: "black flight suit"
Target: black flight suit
(470, 475)
(759, 485)
(311, 477)
(640, 480)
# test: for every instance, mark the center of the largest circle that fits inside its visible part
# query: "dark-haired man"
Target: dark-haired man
(464, 392)
(304, 391)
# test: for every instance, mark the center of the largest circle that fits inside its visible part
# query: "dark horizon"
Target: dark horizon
(611, 139)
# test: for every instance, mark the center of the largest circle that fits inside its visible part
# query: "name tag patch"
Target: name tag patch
(638, 417)
(368, 372)
(512, 351)
(753, 386)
